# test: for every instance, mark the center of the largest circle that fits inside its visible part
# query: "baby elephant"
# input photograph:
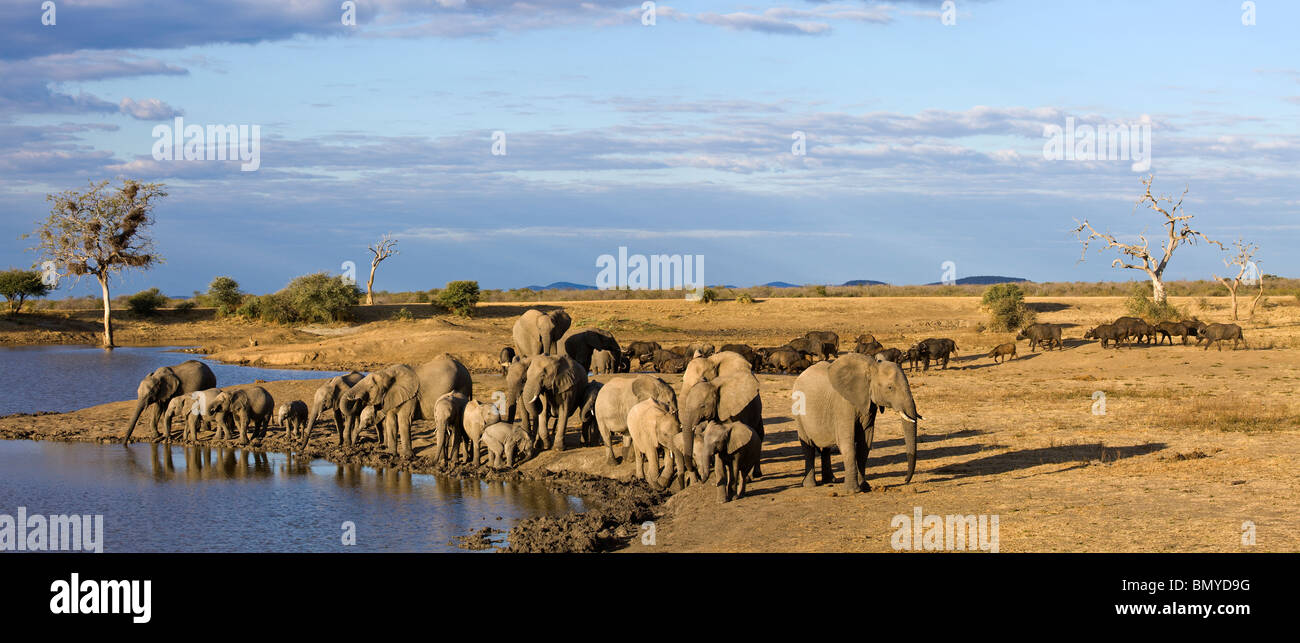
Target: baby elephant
(504, 440)
(1005, 351)
(293, 417)
(652, 426)
(602, 362)
(736, 448)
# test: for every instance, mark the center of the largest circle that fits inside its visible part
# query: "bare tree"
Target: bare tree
(1247, 273)
(381, 251)
(99, 232)
(1178, 229)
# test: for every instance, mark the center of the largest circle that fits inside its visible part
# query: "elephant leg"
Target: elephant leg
(636, 459)
(809, 456)
(740, 479)
(605, 438)
(404, 430)
(561, 423)
(338, 425)
(652, 461)
(863, 446)
(828, 476)
(849, 453)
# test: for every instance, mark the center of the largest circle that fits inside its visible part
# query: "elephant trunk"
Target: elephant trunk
(135, 417)
(311, 422)
(670, 470)
(909, 420)
(532, 389)
(702, 462)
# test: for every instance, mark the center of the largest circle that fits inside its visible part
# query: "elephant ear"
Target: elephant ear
(169, 385)
(735, 392)
(728, 363)
(740, 437)
(562, 321)
(405, 386)
(850, 376)
(643, 387)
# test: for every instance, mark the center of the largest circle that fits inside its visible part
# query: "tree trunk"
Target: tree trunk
(1233, 291)
(108, 322)
(1257, 298)
(1157, 289)
(370, 283)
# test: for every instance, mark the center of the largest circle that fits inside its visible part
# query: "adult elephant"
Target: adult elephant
(838, 402)
(580, 343)
(539, 333)
(516, 376)
(158, 388)
(618, 396)
(720, 387)
(560, 384)
(326, 399)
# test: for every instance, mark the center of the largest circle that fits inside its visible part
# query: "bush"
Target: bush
(225, 296)
(1005, 304)
(821, 291)
(744, 298)
(188, 304)
(17, 285)
(459, 297)
(402, 314)
(708, 296)
(146, 302)
(1139, 304)
(318, 297)
(274, 308)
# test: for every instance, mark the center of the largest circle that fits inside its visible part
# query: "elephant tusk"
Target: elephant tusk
(918, 418)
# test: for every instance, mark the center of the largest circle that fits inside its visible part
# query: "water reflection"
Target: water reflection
(158, 497)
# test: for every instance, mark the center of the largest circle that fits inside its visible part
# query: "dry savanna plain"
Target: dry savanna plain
(1084, 449)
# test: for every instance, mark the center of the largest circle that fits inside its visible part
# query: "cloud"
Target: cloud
(460, 235)
(148, 109)
(32, 86)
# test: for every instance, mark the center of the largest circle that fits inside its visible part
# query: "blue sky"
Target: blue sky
(924, 140)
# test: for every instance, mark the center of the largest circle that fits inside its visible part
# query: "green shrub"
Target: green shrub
(224, 295)
(744, 298)
(17, 285)
(708, 296)
(821, 291)
(402, 314)
(422, 297)
(1140, 304)
(319, 297)
(1005, 304)
(459, 297)
(146, 302)
(274, 308)
(188, 304)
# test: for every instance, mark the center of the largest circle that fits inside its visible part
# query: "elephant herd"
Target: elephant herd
(713, 422)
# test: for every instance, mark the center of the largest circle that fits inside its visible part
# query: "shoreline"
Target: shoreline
(612, 507)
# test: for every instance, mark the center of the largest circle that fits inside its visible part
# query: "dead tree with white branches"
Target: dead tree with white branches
(379, 252)
(1178, 229)
(1247, 273)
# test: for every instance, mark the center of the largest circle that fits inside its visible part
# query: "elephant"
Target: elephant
(175, 410)
(652, 426)
(516, 375)
(198, 414)
(476, 417)
(448, 425)
(726, 390)
(590, 431)
(580, 344)
(244, 407)
(1105, 333)
(158, 388)
(736, 448)
(619, 395)
(504, 441)
(1215, 333)
(840, 400)
(401, 395)
(293, 417)
(939, 350)
(602, 362)
(539, 333)
(1048, 334)
(326, 398)
(559, 383)
(1004, 351)
(505, 358)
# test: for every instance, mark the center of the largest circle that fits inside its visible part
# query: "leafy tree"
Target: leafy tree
(100, 232)
(459, 297)
(225, 295)
(319, 297)
(1005, 304)
(146, 302)
(17, 285)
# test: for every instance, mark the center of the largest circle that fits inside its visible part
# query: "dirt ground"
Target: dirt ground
(1192, 444)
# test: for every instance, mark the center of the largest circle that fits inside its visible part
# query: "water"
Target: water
(158, 498)
(67, 378)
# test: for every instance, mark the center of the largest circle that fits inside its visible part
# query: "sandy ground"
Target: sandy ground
(1192, 443)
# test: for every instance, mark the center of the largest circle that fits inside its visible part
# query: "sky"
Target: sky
(923, 129)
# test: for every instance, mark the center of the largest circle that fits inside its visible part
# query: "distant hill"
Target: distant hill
(864, 282)
(562, 285)
(981, 280)
(781, 284)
